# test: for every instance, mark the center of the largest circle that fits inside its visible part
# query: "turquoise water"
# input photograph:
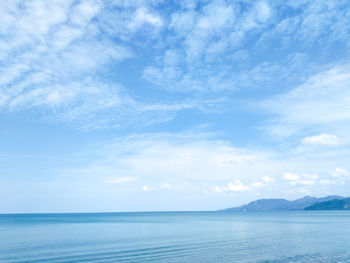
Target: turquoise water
(203, 237)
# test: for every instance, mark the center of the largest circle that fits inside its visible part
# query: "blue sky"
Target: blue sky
(181, 105)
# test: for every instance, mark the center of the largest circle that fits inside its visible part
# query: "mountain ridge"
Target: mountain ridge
(279, 204)
(335, 204)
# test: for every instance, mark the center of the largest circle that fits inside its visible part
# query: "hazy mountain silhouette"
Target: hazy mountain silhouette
(335, 204)
(282, 204)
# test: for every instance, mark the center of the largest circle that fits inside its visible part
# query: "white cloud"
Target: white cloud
(237, 186)
(85, 11)
(305, 182)
(175, 158)
(339, 176)
(142, 16)
(119, 180)
(53, 49)
(267, 179)
(170, 159)
(340, 172)
(263, 11)
(303, 179)
(217, 189)
(320, 103)
(145, 188)
(53, 55)
(310, 176)
(323, 139)
(206, 37)
(291, 177)
(167, 186)
(326, 182)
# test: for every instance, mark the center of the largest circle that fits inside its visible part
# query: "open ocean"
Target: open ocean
(203, 237)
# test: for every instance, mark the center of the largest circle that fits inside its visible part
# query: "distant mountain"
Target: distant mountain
(335, 204)
(281, 204)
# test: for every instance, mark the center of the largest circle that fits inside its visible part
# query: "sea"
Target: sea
(170, 237)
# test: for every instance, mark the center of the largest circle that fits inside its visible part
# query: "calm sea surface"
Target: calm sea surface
(204, 237)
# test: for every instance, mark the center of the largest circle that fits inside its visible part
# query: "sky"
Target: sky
(172, 105)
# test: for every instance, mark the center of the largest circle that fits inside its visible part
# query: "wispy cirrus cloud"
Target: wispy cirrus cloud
(54, 53)
(320, 103)
(223, 45)
(198, 162)
(48, 52)
(204, 38)
(51, 61)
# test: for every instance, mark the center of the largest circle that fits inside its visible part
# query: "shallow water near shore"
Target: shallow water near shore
(206, 237)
